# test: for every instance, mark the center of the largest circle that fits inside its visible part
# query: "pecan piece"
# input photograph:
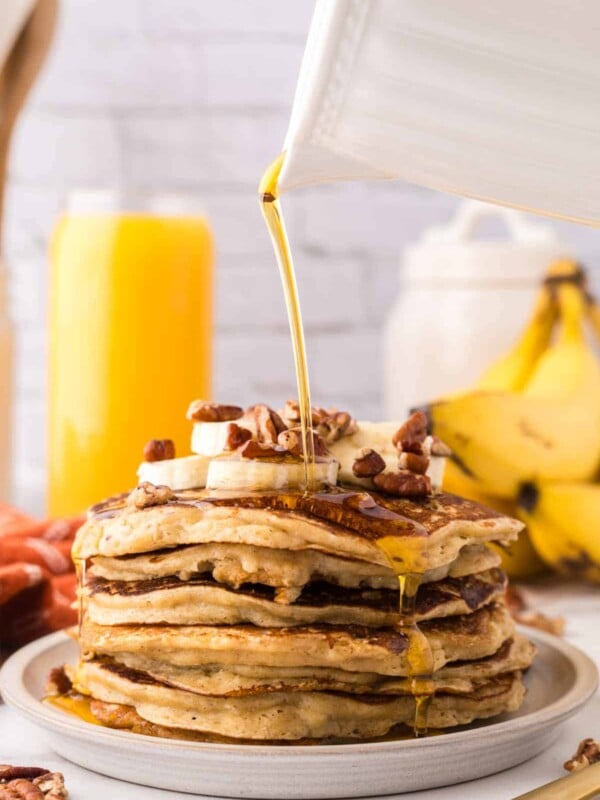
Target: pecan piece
(236, 436)
(20, 789)
(410, 436)
(266, 423)
(291, 413)
(205, 411)
(147, 494)
(403, 483)
(8, 773)
(413, 462)
(588, 752)
(291, 440)
(159, 450)
(368, 464)
(58, 682)
(336, 425)
(52, 785)
(254, 449)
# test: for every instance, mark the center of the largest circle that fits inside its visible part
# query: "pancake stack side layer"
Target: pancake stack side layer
(272, 616)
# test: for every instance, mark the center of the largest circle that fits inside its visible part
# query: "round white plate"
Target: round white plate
(561, 681)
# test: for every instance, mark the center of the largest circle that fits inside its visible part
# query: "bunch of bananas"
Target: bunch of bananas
(526, 438)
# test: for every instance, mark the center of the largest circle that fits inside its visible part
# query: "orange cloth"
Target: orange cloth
(37, 576)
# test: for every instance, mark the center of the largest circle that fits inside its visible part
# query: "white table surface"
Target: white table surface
(22, 743)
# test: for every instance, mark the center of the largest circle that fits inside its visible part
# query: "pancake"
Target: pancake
(236, 564)
(237, 680)
(202, 601)
(351, 647)
(290, 715)
(428, 532)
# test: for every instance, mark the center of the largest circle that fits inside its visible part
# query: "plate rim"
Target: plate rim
(15, 695)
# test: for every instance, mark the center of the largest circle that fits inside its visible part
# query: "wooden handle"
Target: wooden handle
(18, 75)
(577, 786)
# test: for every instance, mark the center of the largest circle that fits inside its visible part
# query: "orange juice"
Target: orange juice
(130, 346)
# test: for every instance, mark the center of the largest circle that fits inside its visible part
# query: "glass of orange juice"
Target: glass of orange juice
(130, 342)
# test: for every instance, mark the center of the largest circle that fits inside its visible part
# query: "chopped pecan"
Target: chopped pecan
(291, 440)
(236, 436)
(335, 425)
(254, 449)
(291, 413)
(411, 435)
(413, 462)
(205, 411)
(58, 682)
(266, 423)
(147, 494)
(368, 464)
(588, 752)
(8, 773)
(52, 785)
(403, 483)
(159, 450)
(20, 789)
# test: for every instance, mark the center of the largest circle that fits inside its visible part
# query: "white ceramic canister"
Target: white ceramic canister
(462, 302)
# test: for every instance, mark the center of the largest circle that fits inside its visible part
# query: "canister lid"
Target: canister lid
(451, 254)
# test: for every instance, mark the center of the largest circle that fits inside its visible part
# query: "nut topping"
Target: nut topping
(254, 449)
(368, 464)
(413, 462)
(410, 436)
(236, 436)
(335, 425)
(10, 773)
(205, 411)
(588, 752)
(291, 413)
(291, 440)
(159, 450)
(52, 786)
(403, 483)
(31, 783)
(266, 423)
(147, 494)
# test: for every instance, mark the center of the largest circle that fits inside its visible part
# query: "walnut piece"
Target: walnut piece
(205, 411)
(336, 425)
(368, 464)
(147, 494)
(291, 440)
(410, 436)
(159, 450)
(588, 752)
(266, 423)
(403, 483)
(236, 436)
(413, 462)
(254, 449)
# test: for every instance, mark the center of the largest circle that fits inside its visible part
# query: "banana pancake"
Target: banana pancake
(427, 531)
(290, 715)
(201, 600)
(349, 647)
(238, 679)
(235, 564)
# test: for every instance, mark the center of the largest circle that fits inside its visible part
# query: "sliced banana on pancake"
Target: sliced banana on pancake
(188, 472)
(211, 438)
(233, 472)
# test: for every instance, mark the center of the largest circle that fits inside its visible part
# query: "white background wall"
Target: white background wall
(193, 96)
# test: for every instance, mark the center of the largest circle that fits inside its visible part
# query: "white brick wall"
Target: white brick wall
(193, 96)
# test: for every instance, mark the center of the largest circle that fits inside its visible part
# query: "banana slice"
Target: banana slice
(209, 438)
(188, 472)
(233, 472)
(378, 436)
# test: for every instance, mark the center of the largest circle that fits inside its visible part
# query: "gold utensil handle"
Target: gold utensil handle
(580, 785)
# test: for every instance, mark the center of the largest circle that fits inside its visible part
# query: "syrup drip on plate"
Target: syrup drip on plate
(420, 659)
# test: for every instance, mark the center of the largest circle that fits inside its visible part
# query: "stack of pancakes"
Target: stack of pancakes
(273, 617)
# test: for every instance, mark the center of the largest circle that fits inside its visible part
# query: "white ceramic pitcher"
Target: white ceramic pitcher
(498, 101)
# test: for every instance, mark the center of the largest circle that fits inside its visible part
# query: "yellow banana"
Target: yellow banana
(549, 432)
(512, 370)
(562, 520)
(519, 560)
